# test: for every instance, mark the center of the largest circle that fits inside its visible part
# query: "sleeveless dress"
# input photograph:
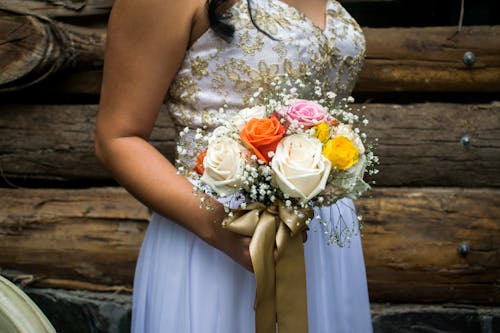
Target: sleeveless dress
(182, 284)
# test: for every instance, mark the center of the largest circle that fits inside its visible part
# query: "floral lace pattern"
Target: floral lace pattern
(218, 74)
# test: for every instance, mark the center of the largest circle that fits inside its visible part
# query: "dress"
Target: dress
(183, 285)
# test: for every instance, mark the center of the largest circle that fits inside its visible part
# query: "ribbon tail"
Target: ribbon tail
(291, 297)
(262, 254)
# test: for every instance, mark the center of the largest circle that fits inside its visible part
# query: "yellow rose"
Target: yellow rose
(341, 152)
(322, 132)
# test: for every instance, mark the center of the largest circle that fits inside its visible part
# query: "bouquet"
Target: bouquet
(275, 161)
(304, 152)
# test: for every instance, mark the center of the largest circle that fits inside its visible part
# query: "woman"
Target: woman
(192, 275)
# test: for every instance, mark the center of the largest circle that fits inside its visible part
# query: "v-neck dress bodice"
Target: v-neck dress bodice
(216, 73)
(181, 283)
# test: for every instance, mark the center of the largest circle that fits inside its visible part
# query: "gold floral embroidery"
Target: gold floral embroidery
(199, 67)
(266, 23)
(281, 50)
(247, 79)
(184, 89)
(300, 70)
(218, 83)
(249, 47)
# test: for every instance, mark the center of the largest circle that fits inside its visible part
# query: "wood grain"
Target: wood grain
(57, 141)
(419, 144)
(91, 238)
(431, 59)
(62, 9)
(412, 238)
(35, 48)
(85, 235)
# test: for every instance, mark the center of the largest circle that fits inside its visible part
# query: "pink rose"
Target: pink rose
(304, 112)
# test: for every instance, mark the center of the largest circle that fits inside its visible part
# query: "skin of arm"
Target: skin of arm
(146, 44)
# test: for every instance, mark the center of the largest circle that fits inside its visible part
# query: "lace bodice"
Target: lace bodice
(217, 74)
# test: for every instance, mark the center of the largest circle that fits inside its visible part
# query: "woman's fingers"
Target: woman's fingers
(304, 236)
(247, 260)
(238, 248)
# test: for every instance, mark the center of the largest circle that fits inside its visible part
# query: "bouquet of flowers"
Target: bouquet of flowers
(303, 152)
(273, 162)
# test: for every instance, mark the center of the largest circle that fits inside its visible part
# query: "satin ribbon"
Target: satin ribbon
(280, 281)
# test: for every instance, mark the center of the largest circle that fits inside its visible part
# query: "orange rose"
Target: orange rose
(199, 163)
(262, 136)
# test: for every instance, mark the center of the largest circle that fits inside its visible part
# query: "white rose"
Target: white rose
(346, 130)
(224, 166)
(300, 169)
(243, 116)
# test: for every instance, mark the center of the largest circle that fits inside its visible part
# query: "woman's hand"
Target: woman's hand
(232, 244)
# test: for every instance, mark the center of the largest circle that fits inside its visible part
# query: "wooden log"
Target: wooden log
(62, 9)
(35, 48)
(421, 144)
(431, 59)
(410, 240)
(89, 235)
(57, 142)
(398, 59)
(418, 144)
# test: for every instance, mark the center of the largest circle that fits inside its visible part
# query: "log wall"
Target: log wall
(90, 238)
(427, 135)
(431, 226)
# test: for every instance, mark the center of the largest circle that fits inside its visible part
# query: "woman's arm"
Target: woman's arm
(146, 44)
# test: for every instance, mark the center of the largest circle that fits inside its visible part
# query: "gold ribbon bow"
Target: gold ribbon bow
(280, 281)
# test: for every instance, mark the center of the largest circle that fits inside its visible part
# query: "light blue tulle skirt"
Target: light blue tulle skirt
(183, 285)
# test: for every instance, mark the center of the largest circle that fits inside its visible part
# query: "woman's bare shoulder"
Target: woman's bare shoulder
(145, 46)
(150, 13)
